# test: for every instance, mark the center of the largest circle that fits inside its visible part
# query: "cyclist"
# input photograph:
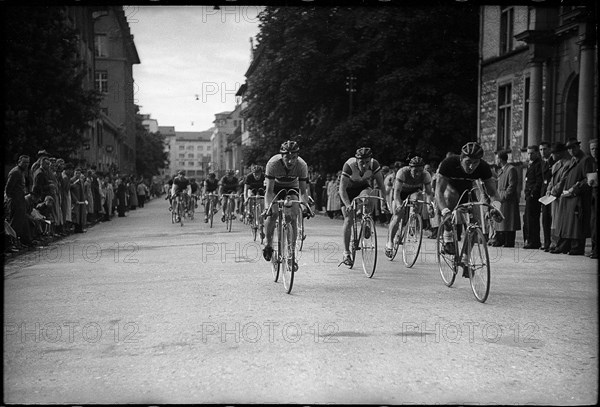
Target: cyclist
(358, 174)
(211, 184)
(456, 175)
(255, 185)
(228, 185)
(195, 191)
(409, 181)
(181, 185)
(287, 172)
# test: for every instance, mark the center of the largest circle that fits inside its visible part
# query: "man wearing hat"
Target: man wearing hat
(593, 183)
(561, 161)
(38, 163)
(574, 206)
(534, 181)
(547, 163)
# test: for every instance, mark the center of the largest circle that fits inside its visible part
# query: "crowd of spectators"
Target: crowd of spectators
(51, 198)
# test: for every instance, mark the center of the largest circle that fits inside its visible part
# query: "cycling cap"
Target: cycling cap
(472, 150)
(289, 147)
(363, 152)
(416, 162)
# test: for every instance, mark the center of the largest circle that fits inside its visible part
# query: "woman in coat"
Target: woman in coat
(508, 180)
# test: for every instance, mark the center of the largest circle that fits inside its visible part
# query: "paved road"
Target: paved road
(138, 310)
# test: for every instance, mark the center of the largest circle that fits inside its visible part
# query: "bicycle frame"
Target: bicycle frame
(229, 209)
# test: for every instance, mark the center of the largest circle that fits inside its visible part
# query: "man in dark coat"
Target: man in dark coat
(78, 201)
(533, 190)
(574, 207)
(547, 163)
(562, 160)
(14, 201)
(593, 183)
(508, 180)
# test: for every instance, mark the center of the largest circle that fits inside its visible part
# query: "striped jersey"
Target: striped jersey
(355, 176)
(286, 178)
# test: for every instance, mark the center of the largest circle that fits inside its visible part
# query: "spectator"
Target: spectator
(46, 209)
(561, 162)
(574, 204)
(121, 196)
(593, 183)
(334, 202)
(547, 163)
(508, 179)
(533, 189)
(66, 202)
(319, 187)
(142, 191)
(132, 193)
(78, 201)
(97, 207)
(14, 201)
(89, 197)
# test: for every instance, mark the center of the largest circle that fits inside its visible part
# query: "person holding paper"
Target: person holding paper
(574, 206)
(547, 163)
(562, 160)
(533, 190)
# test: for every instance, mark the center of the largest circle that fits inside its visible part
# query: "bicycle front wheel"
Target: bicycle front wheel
(300, 235)
(180, 213)
(368, 246)
(211, 212)
(354, 245)
(446, 261)
(479, 265)
(413, 235)
(229, 217)
(288, 258)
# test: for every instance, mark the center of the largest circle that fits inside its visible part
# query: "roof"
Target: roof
(193, 135)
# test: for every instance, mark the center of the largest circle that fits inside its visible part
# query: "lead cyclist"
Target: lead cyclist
(286, 172)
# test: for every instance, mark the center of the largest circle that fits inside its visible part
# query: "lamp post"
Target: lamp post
(350, 88)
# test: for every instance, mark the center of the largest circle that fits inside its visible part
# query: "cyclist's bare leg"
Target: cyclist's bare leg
(398, 213)
(348, 221)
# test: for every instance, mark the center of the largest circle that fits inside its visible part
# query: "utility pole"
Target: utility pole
(350, 88)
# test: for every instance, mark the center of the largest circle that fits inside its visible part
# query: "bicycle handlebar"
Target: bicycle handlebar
(268, 212)
(469, 206)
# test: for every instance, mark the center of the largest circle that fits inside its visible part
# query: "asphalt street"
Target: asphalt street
(138, 310)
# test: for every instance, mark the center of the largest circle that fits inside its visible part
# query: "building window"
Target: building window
(190, 163)
(207, 148)
(190, 147)
(191, 155)
(181, 155)
(100, 45)
(182, 147)
(101, 81)
(504, 112)
(200, 148)
(526, 113)
(200, 163)
(182, 163)
(506, 29)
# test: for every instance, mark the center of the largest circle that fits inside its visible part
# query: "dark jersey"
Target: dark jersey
(254, 183)
(458, 178)
(230, 185)
(195, 187)
(211, 185)
(181, 184)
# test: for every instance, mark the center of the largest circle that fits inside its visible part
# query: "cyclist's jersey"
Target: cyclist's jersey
(255, 184)
(180, 184)
(356, 178)
(458, 178)
(195, 187)
(411, 184)
(211, 185)
(286, 178)
(230, 185)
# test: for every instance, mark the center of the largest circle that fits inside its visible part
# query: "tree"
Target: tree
(415, 86)
(150, 150)
(47, 105)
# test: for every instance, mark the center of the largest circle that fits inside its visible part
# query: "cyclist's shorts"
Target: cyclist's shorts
(258, 191)
(289, 191)
(353, 192)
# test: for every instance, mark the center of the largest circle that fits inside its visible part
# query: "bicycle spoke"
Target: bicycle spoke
(446, 261)
(368, 246)
(412, 240)
(479, 266)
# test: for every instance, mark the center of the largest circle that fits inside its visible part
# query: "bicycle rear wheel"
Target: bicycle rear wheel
(192, 210)
(413, 235)
(275, 258)
(230, 215)
(180, 213)
(446, 261)
(368, 246)
(287, 258)
(173, 215)
(479, 265)
(211, 212)
(354, 245)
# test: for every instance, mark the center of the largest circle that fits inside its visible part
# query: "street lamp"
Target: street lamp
(350, 88)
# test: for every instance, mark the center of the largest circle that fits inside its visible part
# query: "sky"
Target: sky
(193, 60)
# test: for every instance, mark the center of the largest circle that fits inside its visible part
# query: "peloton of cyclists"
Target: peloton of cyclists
(228, 185)
(180, 185)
